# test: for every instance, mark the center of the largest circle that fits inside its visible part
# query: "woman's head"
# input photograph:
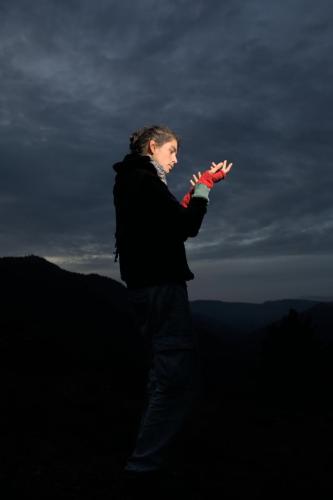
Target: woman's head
(159, 142)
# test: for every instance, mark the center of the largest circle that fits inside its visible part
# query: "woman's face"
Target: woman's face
(165, 155)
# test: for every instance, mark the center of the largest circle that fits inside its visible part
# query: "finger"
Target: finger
(193, 183)
(228, 168)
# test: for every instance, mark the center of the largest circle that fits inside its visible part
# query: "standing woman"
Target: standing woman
(151, 228)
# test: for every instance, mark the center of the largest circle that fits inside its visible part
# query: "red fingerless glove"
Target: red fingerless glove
(210, 179)
(219, 175)
(206, 178)
(186, 200)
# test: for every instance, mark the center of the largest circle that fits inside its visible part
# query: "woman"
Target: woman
(151, 228)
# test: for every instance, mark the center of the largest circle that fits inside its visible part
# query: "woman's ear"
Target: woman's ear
(151, 146)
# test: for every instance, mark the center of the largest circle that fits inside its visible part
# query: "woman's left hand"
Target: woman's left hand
(195, 178)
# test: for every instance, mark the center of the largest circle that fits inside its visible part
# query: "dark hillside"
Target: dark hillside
(73, 372)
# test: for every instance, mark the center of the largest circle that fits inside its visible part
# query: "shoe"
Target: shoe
(132, 484)
(157, 485)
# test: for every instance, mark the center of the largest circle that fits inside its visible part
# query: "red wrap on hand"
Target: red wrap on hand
(207, 178)
(186, 200)
(210, 179)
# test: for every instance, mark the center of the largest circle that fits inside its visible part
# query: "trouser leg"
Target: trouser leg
(173, 381)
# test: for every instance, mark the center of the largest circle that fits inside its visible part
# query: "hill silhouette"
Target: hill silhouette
(72, 315)
(74, 372)
(242, 317)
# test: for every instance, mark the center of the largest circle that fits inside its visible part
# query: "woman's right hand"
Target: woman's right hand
(220, 169)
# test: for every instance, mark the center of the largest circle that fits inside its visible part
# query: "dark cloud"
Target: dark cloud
(248, 81)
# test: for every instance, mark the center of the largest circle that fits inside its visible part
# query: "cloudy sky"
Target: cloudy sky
(245, 80)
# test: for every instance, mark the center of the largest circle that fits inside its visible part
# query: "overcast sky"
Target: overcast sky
(245, 80)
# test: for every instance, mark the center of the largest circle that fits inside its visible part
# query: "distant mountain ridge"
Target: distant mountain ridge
(24, 278)
(245, 317)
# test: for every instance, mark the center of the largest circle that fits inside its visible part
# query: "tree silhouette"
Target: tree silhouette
(290, 359)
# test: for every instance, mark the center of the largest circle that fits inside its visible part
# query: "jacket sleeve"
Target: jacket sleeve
(171, 216)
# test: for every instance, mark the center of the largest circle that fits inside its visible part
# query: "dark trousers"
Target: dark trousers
(164, 321)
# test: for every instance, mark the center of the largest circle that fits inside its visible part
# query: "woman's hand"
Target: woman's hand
(218, 171)
(195, 178)
(223, 166)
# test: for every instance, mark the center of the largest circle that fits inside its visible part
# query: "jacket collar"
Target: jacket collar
(135, 160)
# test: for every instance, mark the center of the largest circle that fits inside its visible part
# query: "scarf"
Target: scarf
(160, 170)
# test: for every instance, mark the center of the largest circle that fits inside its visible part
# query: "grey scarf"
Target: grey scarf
(160, 170)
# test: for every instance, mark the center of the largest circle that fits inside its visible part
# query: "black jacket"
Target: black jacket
(151, 225)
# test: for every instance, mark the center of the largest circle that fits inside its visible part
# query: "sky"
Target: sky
(248, 81)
